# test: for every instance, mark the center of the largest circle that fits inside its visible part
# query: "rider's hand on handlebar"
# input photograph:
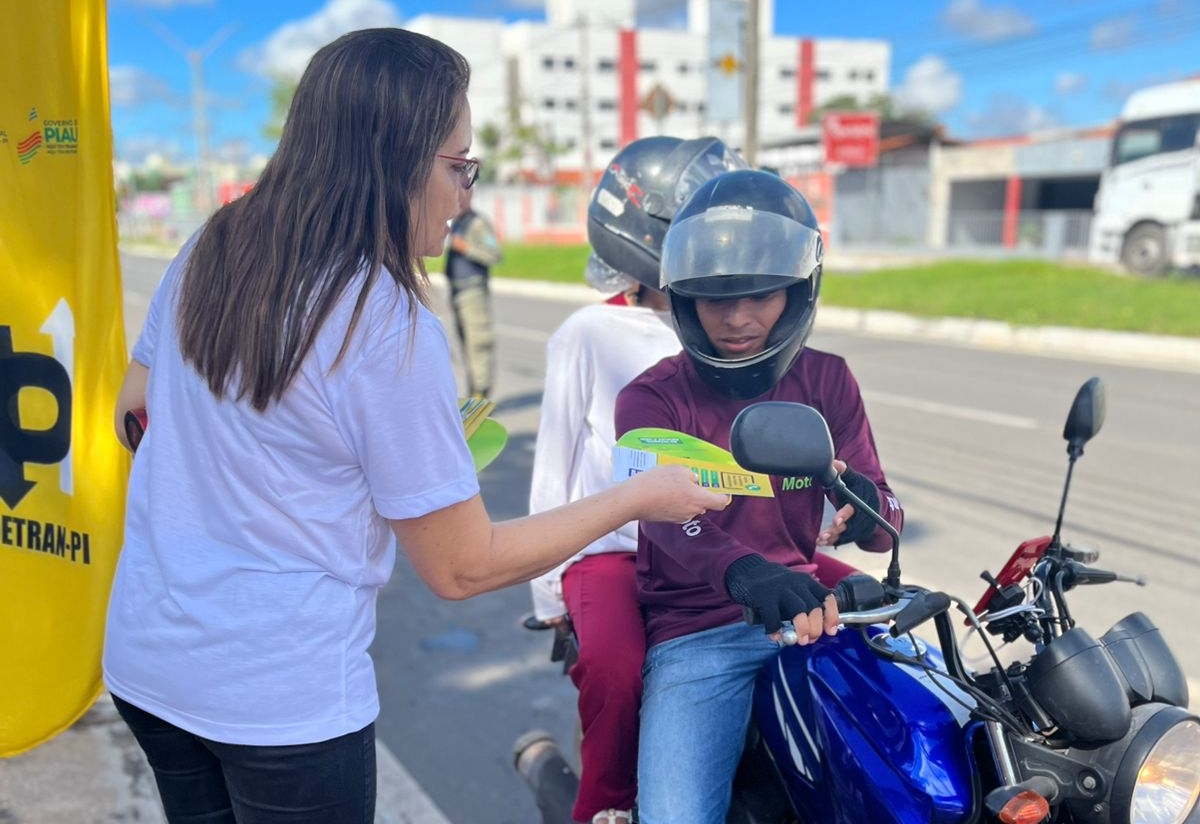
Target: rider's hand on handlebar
(809, 627)
(775, 593)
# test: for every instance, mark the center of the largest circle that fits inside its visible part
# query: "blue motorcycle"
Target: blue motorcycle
(878, 725)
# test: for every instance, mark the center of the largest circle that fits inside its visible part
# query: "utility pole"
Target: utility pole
(750, 93)
(585, 98)
(195, 59)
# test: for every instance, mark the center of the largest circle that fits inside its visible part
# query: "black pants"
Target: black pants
(207, 782)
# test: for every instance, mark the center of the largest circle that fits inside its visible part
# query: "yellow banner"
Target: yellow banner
(62, 354)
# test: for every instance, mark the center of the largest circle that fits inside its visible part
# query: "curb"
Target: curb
(1128, 348)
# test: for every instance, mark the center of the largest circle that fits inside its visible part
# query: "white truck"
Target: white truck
(1147, 210)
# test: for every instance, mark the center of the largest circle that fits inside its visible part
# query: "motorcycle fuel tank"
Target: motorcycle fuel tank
(857, 737)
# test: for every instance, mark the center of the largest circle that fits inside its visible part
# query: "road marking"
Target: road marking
(932, 407)
(950, 411)
(399, 798)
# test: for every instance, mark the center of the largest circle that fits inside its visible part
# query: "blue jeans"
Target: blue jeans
(696, 706)
(206, 782)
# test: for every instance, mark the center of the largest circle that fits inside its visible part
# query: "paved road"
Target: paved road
(972, 443)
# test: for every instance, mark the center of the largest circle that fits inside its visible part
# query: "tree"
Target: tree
(283, 88)
(490, 139)
(151, 180)
(520, 145)
(882, 104)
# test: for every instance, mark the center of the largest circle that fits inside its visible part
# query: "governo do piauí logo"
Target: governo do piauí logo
(59, 137)
(27, 149)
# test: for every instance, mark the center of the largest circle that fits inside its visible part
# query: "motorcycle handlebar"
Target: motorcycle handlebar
(855, 594)
(1080, 574)
(878, 615)
(1083, 555)
(862, 600)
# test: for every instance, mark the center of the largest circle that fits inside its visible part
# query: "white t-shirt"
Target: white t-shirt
(255, 543)
(589, 359)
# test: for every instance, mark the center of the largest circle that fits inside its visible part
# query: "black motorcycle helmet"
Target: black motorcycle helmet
(636, 198)
(742, 234)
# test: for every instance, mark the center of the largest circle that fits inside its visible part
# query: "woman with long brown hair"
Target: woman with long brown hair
(305, 424)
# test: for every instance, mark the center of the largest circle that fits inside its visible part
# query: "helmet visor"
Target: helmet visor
(731, 251)
(605, 279)
(718, 159)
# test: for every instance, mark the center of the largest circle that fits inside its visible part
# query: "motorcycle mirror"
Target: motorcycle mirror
(782, 438)
(1086, 415)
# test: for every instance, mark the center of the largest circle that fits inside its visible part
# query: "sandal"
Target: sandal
(613, 817)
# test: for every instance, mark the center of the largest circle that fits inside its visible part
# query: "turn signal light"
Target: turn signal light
(1026, 807)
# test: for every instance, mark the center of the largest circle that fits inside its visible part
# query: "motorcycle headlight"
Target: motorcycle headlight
(1150, 776)
(1168, 781)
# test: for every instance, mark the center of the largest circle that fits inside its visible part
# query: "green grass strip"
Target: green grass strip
(1016, 291)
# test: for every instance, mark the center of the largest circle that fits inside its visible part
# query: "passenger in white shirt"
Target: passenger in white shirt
(589, 359)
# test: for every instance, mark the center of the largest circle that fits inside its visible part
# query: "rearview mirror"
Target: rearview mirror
(781, 438)
(1086, 415)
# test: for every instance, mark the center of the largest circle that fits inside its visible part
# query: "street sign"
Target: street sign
(726, 22)
(850, 138)
(657, 102)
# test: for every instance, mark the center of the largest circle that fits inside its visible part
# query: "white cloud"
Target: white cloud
(1114, 33)
(138, 148)
(1009, 115)
(1069, 82)
(237, 151)
(288, 49)
(134, 86)
(971, 19)
(929, 85)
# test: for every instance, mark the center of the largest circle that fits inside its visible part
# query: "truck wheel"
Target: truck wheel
(1145, 250)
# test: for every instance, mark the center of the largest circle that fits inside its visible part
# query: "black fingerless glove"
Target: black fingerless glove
(860, 527)
(774, 592)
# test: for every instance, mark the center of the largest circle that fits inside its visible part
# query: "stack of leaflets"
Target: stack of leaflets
(474, 412)
(486, 437)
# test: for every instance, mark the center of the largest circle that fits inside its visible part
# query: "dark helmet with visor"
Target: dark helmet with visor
(744, 234)
(636, 199)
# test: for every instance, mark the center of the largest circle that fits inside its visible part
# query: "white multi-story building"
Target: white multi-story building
(592, 79)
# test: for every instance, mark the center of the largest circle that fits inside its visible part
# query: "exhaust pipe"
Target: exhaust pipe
(540, 763)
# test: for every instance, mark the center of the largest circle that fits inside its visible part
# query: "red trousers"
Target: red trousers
(601, 596)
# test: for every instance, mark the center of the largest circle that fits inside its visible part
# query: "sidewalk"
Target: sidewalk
(95, 773)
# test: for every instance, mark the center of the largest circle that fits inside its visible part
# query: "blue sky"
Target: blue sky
(987, 68)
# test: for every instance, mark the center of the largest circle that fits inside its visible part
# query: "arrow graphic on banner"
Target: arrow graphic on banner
(18, 445)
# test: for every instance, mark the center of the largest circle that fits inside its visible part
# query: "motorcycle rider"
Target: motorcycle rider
(742, 269)
(591, 356)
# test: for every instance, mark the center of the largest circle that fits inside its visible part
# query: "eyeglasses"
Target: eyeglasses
(467, 168)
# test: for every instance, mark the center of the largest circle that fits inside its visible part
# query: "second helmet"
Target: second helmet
(637, 197)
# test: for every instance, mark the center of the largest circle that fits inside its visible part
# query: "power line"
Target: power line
(195, 58)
